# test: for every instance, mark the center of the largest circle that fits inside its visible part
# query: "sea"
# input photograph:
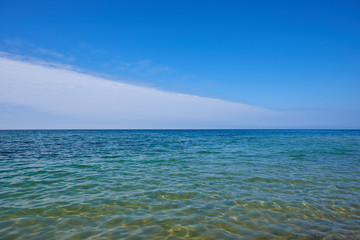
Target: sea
(180, 184)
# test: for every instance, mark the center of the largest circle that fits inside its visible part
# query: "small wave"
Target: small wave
(111, 156)
(261, 179)
(207, 152)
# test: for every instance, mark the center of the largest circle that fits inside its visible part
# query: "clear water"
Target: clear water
(187, 184)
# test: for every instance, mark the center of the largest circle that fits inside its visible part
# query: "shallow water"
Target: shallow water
(199, 184)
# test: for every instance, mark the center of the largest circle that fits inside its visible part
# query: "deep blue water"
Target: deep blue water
(180, 184)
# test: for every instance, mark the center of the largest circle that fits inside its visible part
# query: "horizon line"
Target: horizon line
(165, 129)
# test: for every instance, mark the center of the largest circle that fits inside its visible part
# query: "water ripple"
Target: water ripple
(223, 184)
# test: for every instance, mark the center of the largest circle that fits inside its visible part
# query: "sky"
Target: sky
(179, 64)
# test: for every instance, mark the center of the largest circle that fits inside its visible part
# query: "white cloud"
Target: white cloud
(36, 95)
(68, 93)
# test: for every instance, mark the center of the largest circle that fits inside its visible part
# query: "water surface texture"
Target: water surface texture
(186, 184)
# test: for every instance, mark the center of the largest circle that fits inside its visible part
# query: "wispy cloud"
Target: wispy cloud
(24, 48)
(54, 54)
(143, 66)
(20, 49)
(13, 42)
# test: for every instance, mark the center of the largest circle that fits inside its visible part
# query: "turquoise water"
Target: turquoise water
(186, 184)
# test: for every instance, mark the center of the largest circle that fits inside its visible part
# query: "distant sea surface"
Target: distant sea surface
(180, 184)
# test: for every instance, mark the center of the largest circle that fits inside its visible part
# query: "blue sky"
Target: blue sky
(280, 55)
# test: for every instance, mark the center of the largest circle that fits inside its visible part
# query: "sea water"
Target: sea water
(180, 184)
